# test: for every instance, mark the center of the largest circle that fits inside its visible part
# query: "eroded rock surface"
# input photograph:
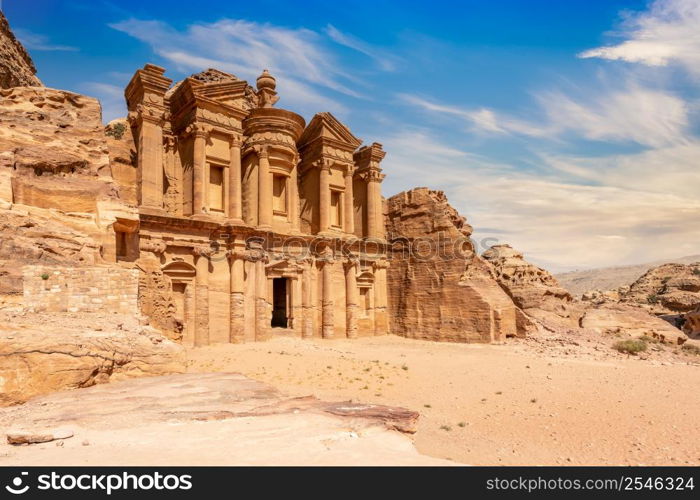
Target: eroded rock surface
(627, 320)
(667, 289)
(533, 289)
(44, 352)
(210, 419)
(438, 288)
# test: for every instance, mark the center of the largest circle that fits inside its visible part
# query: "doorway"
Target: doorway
(280, 298)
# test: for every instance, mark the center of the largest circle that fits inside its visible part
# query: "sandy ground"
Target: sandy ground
(524, 403)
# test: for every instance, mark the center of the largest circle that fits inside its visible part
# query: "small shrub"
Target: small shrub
(45, 276)
(631, 346)
(428, 406)
(446, 428)
(462, 424)
(691, 349)
(696, 271)
(653, 298)
(665, 279)
(404, 367)
(117, 130)
(649, 340)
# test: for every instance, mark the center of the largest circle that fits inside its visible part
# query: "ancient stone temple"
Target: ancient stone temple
(250, 222)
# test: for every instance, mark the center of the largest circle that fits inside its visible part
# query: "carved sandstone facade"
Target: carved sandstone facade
(261, 224)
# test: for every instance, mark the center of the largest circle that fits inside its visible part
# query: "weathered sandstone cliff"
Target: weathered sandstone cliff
(667, 289)
(439, 289)
(533, 289)
(16, 67)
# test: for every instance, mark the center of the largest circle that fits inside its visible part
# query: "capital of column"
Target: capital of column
(202, 251)
(198, 130)
(235, 140)
(262, 151)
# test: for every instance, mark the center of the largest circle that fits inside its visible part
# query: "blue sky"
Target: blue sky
(567, 129)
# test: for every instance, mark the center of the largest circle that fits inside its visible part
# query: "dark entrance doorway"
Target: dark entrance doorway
(279, 302)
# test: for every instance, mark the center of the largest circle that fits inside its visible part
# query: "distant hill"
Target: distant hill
(609, 278)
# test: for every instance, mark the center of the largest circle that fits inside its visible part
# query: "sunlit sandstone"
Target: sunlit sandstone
(260, 224)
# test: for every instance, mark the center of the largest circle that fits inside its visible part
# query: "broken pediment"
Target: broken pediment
(327, 128)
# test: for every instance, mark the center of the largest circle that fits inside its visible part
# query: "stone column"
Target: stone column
(199, 167)
(307, 329)
(324, 196)
(374, 205)
(381, 324)
(235, 203)
(237, 298)
(150, 159)
(294, 196)
(201, 295)
(351, 299)
(262, 309)
(327, 319)
(264, 190)
(348, 215)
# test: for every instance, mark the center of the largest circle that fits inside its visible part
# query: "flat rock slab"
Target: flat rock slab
(209, 419)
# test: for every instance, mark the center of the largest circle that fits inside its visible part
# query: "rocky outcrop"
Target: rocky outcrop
(78, 350)
(57, 196)
(16, 67)
(667, 289)
(691, 323)
(53, 150)
(31, 235)
(122, 159)
(438, 288)
(627, 320)
(533, 289)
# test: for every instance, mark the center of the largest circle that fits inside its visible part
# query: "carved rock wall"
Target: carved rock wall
(438, 288)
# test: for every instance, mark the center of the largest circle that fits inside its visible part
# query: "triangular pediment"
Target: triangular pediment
(326, 126)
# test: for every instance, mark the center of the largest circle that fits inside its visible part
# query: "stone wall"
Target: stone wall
(81, 289)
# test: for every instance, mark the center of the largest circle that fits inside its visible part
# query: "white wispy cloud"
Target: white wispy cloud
(36, 41)
(562, 223)
(385, 60)
(646, 116)
(306, 70)
(669, 32)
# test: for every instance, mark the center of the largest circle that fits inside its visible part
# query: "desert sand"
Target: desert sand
(524, 403)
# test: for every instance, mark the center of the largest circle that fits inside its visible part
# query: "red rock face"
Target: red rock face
(438, 288)
(16, 67)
